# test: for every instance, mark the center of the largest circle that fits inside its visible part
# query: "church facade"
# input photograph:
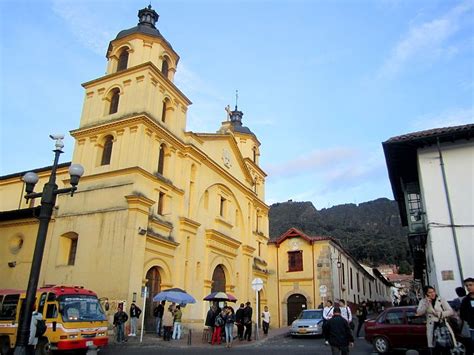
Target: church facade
(158, 206)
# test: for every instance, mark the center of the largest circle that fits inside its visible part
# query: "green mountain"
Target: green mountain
(371, 231)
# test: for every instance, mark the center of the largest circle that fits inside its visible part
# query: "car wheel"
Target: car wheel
(43, 347)
(381, 345)
(4, 346)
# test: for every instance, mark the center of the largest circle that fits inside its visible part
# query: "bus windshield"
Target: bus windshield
(80, 308)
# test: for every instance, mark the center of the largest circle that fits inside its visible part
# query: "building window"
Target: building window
(222, 207)
(343, 274)
(72, 251)
(161, 201)
(114, 101)
(164, 68)
(358, 284)
(107, 151)
(295, 260)
(254, 155)
(370, 290)
(352, 287)
(123, 60)
(161, 159)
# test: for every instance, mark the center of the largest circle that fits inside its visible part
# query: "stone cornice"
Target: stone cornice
(222, 243)
(188, 225)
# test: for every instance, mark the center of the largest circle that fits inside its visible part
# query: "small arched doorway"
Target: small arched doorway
(296, 303)
(218, 279)
(153, 285)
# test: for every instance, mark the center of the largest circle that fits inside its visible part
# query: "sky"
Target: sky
(322, 83)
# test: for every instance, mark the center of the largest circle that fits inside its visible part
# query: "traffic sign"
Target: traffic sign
(257, 284)
(323, 289)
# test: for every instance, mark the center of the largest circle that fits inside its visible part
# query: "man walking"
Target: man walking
(361, 316)
(338, 333)
(120, 318)
(248, 321)
(239, 321)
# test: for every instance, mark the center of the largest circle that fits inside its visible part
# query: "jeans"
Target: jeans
(336, 350)
(158, 325)
(133, 325)
(229, 327)
(166, 332)
(265, 327)
(248, 331)
(119, 332)
(176, 330)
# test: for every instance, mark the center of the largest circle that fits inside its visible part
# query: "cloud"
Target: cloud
(314, 161)
(428, 40)
(451, 117)
(85, 25)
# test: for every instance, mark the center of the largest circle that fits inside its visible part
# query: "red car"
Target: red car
(396, 328)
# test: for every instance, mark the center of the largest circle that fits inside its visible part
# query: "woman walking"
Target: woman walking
(437, 310)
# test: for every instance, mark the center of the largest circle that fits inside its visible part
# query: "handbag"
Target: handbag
(442, 336)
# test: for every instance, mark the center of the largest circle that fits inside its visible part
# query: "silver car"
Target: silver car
(309, 322)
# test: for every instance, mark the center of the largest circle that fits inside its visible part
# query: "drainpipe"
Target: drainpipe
(451, 218)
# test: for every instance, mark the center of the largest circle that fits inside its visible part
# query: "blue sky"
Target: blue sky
(321, 83)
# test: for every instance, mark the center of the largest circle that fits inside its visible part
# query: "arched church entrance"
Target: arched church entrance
(153, 285)
(296, 303)
(218, 279)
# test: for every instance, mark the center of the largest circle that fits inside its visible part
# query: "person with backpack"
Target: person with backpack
(135, 312)
(361, 314)
(218, 324)
(37, 329)
(120, 318)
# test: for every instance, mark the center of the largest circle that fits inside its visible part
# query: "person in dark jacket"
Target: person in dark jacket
(211, 319)
(467, 312)
(135, 312)
(120, 318)
(158, 313)
(248, 321)
(361, 314)
(338, 333)
(239, 321)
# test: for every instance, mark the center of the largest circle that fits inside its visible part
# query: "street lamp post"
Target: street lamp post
(48, 200)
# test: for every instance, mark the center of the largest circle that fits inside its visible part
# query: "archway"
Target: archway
(296, 303)
(153, 285)
(218, 279)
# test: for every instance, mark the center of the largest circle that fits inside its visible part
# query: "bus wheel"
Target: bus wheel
(4, 346)
(43, 347)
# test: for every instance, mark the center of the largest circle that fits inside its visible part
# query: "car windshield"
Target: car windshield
(316, 314)
(80, 308)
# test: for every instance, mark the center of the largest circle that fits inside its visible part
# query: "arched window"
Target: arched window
(218, 279)
(165, 67)
(123, 60)
(163, 112)
(161, 159)
(114, 101)
(107, 151)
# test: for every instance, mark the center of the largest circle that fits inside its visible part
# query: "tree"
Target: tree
(405, 268)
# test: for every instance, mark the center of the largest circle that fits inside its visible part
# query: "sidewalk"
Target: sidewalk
(195, 340)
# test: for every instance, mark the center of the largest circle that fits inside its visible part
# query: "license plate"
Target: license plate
(302, 330)
(89, 343)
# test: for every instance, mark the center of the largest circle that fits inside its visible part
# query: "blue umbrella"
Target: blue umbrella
(175, 295)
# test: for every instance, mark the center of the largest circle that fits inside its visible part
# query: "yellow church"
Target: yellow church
(158, 206)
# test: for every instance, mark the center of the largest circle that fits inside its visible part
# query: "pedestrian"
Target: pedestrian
(265, 320)
(327, 314)
(210, 320)
(361, 314)
(467, 313)
(167, 323)
(239, 321)
(178, 314)
(120, 318)
(247, 319)
(229, 320)
(218, 324)
(135, 312)
(346, 313)
(456, 303)
(158, 313)
(338, 333)
(436, 309)
(33, 339)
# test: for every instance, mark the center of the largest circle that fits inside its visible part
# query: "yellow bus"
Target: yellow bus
(73, 315)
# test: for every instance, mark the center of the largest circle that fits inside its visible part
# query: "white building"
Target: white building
(432, 178)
